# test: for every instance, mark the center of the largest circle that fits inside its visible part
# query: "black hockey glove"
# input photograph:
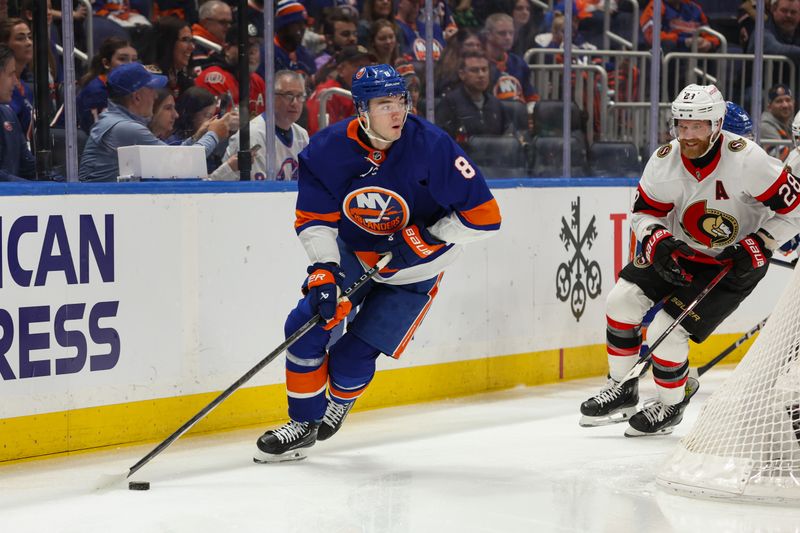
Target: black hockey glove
(662, 250)
(750, 257)
(322, 288)
(408, 246)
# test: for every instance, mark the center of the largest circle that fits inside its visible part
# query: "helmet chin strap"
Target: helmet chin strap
(364, 122)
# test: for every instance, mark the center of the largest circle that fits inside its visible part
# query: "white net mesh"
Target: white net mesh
(746, 442)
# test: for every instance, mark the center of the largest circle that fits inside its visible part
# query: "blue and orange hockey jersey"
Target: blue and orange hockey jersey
(360, 195)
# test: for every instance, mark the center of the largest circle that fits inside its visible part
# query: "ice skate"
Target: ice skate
(611, 405)
(287, 443)
(334, 417)
(656, 418)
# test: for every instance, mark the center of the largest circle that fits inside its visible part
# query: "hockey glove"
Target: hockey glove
(749, 256)
(322, 289)
(409, 246)
(662, 250)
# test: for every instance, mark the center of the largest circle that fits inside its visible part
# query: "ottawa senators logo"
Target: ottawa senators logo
(376, 210)
(737, 145)
(709, 227)
(664, 151)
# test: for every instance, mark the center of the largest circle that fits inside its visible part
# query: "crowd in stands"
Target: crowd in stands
(166, 71)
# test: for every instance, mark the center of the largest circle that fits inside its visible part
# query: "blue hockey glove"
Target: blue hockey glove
(408, 246)
(322, 288)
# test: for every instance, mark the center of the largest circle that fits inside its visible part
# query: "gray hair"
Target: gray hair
(289, 74)
(493, 19)
(207, 8)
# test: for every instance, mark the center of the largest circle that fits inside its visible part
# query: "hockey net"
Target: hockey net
(745, 444)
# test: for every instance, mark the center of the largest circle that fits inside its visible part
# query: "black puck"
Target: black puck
(138, 485)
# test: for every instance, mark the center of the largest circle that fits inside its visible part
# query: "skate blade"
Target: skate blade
(631, 432)
(269, 458)
(596, 421)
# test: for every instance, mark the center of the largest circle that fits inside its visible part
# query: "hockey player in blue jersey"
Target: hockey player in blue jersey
(383, 182)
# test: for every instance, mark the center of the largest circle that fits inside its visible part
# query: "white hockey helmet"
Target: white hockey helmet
(796, 129)
(700, 102)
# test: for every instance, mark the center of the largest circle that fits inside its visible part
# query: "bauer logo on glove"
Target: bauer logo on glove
(409, 246)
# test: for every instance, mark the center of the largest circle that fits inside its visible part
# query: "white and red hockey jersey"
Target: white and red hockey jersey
(739, 192)
(793, 161)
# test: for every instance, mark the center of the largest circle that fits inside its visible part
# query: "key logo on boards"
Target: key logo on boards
(376, 210)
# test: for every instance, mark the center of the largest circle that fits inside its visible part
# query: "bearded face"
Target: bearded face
(694, 137)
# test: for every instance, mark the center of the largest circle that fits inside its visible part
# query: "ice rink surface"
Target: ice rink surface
(513, 461)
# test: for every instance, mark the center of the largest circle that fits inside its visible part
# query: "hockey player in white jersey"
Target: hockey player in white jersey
(707, 194)
(793, 159)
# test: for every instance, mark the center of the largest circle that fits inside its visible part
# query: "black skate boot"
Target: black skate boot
(334, 417)
(613, 404)
(655, 418)
(286, 443)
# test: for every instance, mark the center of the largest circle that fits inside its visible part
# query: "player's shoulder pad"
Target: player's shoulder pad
(663, 151)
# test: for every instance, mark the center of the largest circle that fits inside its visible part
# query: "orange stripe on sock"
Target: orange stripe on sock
(307, 382)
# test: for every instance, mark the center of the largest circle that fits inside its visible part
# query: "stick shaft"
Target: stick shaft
(644, 361)
(724, 353)
(366, 276)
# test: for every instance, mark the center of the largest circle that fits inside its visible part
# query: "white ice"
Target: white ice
(513, 461)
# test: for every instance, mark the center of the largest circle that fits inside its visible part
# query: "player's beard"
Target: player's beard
(698, 148)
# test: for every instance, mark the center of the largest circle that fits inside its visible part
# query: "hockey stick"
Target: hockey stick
(784, 264)
(699, 371)
(644, 361)
(302, 330)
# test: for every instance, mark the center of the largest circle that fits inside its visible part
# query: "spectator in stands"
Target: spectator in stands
(746, 19)
(174, 47)
(290, 138)
(555, 40)
(16, 161)
(131, 92)
(196, 109)
(339, 107)
(221, 77)
(781, 34)
(339, 29)
(383, 42)
(470, 109)
(413, 84)
(510, 76)
(93, 96)
(373, 10)
(290, 25)
(525, 25)
(446, 74)
(16, 35)
(216, 19)
(776, 121)
(679, 22)
(164, 114)
(412, 36)
(180, 9)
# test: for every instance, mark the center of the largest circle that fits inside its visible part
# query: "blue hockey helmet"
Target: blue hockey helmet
(737, 120)
(375, 81)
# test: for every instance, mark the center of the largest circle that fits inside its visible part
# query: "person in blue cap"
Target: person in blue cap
(132, 92)
(383, 182)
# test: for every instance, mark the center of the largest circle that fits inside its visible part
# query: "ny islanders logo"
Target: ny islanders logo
(376, 210)
(709, 227)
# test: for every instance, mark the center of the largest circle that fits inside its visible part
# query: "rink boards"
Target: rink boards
(126, 307)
